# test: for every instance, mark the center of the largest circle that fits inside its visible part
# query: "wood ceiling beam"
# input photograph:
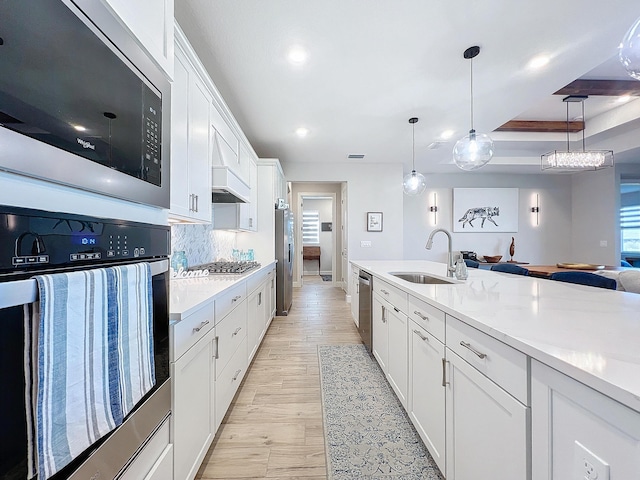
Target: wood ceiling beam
(548, 126)
(612, 88)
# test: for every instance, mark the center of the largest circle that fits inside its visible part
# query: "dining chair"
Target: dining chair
(471, 263)
(585, 278)
(624, 263)
(510, 268)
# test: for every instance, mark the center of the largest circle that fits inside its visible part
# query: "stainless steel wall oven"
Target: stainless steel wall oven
(81, 103)
(36, 243)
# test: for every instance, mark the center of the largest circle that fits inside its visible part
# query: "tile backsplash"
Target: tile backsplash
(201, 243)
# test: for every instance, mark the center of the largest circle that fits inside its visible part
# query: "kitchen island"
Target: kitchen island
(565, 357)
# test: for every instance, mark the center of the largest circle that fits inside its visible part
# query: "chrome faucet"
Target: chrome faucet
(450, 267)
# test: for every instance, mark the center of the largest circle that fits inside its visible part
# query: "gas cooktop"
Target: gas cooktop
(228, 267)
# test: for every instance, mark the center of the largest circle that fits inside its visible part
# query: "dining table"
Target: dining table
(545, 271)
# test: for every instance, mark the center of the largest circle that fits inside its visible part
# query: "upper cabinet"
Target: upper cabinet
(190, 141)
(151, 22)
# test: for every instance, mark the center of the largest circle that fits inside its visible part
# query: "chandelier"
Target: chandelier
(579, 159)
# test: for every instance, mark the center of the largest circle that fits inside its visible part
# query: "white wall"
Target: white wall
(324, 207)
(370, 188)
(548, 242)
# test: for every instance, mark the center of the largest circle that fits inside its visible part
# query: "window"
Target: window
(310, 227)
(630, 218)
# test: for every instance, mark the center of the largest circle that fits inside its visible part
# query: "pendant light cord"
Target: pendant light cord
(568, 149)
(413, 148)
(471, 89)
(584, 125)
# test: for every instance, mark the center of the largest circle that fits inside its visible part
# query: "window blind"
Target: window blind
(630, 228)
(310, 227)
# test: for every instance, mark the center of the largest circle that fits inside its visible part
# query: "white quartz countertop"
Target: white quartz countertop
(188, 294)
(590, 334)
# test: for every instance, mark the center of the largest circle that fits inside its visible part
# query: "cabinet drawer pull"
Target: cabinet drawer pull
(235, 375)
(419, 333)
(444, 373)
(197, 329)
(216, 354)
(384, 320)
(384, 291)
(396, 309)
(236, 332)
(196, 198)
(424, 317)
(236, 298)
(468, 345)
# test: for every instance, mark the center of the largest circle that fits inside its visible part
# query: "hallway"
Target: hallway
(273, 428)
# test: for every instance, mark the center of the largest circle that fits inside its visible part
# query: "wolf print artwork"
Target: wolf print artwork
(484, 210)
(485, 213)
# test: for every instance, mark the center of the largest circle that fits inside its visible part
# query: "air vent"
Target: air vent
(435, 145)
(356, 155)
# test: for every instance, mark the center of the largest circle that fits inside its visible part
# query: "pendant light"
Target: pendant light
(629, 53)
(476, 149)
(414, 183)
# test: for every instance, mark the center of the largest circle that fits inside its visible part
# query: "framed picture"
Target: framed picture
(485, 210)
(374, 221)
(326, 227)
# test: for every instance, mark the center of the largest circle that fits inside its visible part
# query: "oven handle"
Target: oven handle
(20, 292)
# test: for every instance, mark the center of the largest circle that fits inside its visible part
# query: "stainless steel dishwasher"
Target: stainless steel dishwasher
(364, 309)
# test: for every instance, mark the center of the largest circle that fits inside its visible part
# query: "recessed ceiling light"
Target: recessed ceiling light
(623, 98)
(538, 62)
(447, 134)
(302, 132)
(297, 55)
(79, 128)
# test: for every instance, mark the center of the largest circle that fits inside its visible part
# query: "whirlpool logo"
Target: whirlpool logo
(86, 144)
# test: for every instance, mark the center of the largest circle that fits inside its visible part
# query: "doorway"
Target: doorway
(318, 233)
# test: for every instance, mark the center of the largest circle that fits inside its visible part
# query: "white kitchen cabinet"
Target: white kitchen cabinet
(190, 138)
(248, 212)
(380, 326)
(269, 175)
(257, 313)
(426, 397)
(355, 294)
(193, 406)
(486, 426)
(397, 360)
(152, 23)
(573, 424)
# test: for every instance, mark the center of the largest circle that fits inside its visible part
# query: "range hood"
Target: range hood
(227, 187)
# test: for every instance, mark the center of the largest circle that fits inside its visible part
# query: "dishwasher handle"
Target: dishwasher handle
(364, 280)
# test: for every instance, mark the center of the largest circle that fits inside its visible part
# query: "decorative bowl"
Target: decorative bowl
(492, 258)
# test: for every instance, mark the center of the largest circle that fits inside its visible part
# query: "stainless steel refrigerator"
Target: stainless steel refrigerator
(285, 251)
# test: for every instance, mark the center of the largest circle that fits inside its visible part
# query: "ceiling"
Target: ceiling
(373, 64)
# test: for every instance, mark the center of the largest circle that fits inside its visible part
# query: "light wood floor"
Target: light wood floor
(273, 428)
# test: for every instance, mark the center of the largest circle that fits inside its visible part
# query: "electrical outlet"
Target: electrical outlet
(603, 243)
(365, 243)
(587, 466)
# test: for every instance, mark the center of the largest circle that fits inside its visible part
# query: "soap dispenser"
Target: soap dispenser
(461, 269)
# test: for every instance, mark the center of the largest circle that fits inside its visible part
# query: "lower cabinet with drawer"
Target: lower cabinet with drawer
(193, 416)
(487, 423)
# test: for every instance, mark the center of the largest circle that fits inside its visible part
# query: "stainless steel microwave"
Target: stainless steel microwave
(81, 103)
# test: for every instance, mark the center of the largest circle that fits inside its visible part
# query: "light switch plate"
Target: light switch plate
(603, 243)
(587, 466)
(365, 243)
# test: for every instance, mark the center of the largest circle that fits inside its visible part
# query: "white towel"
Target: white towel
(94, 358)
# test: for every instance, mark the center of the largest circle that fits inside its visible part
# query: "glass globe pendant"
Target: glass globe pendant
(473, 151)
(476, 149)
(413, 183)
(629, 53)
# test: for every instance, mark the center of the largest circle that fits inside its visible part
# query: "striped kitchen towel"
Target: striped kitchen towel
(84, 372)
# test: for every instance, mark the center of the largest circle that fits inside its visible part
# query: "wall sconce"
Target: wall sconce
(536, 210)
(434, 208)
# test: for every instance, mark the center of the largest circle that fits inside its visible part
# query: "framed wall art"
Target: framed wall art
(374, 221)
(485, 209)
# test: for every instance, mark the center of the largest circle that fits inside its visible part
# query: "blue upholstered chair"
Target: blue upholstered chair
(471, 263)
(624, 263)
(585, 278)
(510, 268)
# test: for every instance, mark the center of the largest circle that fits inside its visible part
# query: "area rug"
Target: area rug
(326, 278)
(367, 432)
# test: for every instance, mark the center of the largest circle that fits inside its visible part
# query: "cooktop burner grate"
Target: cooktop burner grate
(228, 267)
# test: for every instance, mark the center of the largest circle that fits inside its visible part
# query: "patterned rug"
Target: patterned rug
(367, 432)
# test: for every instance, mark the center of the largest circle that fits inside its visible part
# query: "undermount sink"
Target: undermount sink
(416, 277)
